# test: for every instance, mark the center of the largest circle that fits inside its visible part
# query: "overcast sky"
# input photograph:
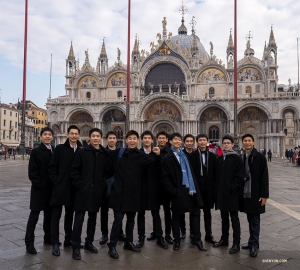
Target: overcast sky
(53, 24)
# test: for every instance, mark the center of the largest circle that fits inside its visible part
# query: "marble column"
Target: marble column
(160, 87)
(169, 85)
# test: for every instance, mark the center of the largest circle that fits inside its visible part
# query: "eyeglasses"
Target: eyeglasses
(227, 142)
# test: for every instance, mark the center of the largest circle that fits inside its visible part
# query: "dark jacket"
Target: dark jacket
(59, 174)
(208, 190)
(89, 173)
(230, 181)
(171, 177)
(126, 190)
(39, 177)
(164, 197)
(259, 183)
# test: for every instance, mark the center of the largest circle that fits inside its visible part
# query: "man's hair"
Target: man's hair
(175, 134)
(188, 136)
(132, 132)
(228, 137)
(247, 135)
(201, 136)
(162, 133)
(73, 127)
(147, 132)
(111, 133)
(46, 129)
(95, 130)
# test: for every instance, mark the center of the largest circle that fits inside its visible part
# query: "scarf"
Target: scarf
(228, 153)
(187, 178)
(247, 178)
(206, 161)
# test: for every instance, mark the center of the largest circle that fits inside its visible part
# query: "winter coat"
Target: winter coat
(59, 174)
(38, 175)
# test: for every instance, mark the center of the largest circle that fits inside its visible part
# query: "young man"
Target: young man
(111, 139)
(178, 180)
(230, 180)
(89, 172)
(162, 140)
(150, 197)
(126, 191)
(62, 191)
(204, 166)
(40, 189)
(256, 190)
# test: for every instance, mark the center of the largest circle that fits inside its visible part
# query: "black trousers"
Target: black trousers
(168, 217)
(117, 224)
(194, 223)
(68, 223)
(31, 224)
(77, 228)
(254, 229)
(155, 220)
(207, 220)
(236, 227)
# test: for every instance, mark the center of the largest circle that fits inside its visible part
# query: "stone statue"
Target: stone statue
(158, 36)
(119, 54)
(230, 62)
(164, 24)
(289, 82)
(170, 35)
(211, 48)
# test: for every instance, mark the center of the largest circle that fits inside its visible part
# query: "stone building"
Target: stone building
(178, 86)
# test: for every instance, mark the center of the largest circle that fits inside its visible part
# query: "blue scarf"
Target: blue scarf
(187, 178)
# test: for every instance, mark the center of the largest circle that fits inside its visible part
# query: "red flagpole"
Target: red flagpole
(235, 78)
(128, 71)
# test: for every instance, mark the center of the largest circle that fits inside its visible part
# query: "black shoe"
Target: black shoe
(182, 235)
(169, 239)
(245, 247)
(103, 239)
(141, 242)
(55, 250)
(131, 246)
(221, 243)
(112, 252)
(161, 242)
(253, 252)
(151, 237)
(176, 246)
(210, 239)
(90, 247)
(234, 249)
(122, 237)
(199, 245)
(76, 254)
(31, 250)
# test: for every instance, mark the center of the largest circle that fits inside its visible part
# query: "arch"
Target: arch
(87, 81)
(163, 125)
(211, 91)
(81, 117)
(79, 109)
(119, 93)
(289, 107)
(252, 113)
(213, 114)
(118, 79)
(108, 108)
(227, 113)
(114, 115)
(211, 75)
(250, 73)
(56, 129)
(88, 94)
(215, 67)
(258, 105)
(84, 130)
(53, 116)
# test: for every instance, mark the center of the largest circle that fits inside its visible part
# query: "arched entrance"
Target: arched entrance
(84, 121)
(163, 127)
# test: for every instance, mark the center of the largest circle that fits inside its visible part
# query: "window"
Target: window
(16, 114)
(3, 134)
(4, 122)
(15, 135)
(4, 112)
(211, 91)
(214, 133)
(32, 113)
(16, 124)
(88, 94)
(9, 136)
(10, 124)
(119, 93)
(10, 113)
(119, 132)
(42, 122)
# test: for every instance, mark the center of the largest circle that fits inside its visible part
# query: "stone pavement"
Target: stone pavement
(279, 241)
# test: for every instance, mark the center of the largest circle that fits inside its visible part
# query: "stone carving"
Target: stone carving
(211, 75)
(211, 48)
(164, 24)
(119, 54)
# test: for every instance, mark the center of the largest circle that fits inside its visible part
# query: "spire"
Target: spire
(272, 38)
(103, 50)
(182, 30)
(230, 46)
(195, 47)
(71, 52)
(136, 45)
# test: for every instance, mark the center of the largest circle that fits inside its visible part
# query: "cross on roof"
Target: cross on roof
(249, 36)
(182, 10)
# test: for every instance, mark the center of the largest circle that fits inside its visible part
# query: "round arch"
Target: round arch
(209, 68)
(291, 108)
(212, 105)
(79, 109)
(88, 75)
(108, 108)
(246, 68)
(165, 125)
(258, 105)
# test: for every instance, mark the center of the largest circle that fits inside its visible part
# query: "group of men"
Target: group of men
(175, 175)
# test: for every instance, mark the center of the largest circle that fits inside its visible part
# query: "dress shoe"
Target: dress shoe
(161, 242)
(210, 239)
(112, 252)
(199, 245)
(90, 247)
(221, 243)
(151, 237)
(169, 239)
(31, 250)
(234, 249)
(176, 246)
(141, 242)
(103, 239)
(253, 252)
(245, 247)
(131, 246)
(122, 237)
(55, 250)
(182, 235)
(76, 254)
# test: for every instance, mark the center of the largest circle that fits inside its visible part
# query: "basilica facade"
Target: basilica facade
(179, 86)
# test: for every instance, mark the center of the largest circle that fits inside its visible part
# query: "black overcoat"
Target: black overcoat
(126, 190)
(59, 174)
(210, 181)
(171, 177)
(230, 181)
(39, 177)
(89, 174)
(259, 183)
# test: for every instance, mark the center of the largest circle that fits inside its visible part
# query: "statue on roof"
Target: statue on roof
(119, 54)
(211, 48)
(164, 24)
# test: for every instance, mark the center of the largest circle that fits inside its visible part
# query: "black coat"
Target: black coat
(59, 174)
(89, 174)
(171, 177)
(210, 181)
(126, 190)
(259, 183)
(39, 177)
(230, 181)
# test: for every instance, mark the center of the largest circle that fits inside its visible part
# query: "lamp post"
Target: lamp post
(128, 73)
(235, 79)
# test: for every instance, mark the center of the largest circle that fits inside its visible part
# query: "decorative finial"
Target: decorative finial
(193, 23)
(249, 37)
(182, 10)
(272, 26)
